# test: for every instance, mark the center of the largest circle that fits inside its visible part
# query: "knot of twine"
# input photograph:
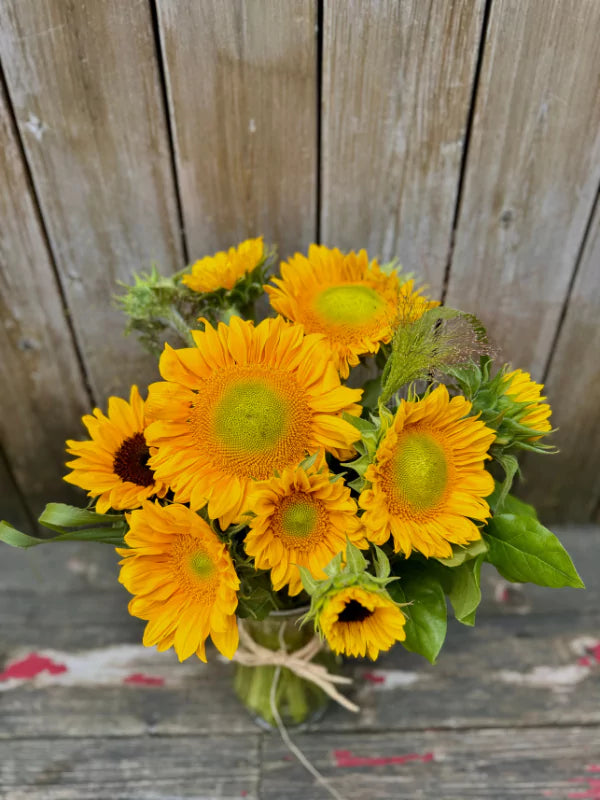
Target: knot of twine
(251, 654)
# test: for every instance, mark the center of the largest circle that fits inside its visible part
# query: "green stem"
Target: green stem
(179, 325)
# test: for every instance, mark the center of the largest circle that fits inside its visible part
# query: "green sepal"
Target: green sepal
(524, 551)
(308, 582)
(510, 504)
(334, 566)
(355, 560)
(381, 563)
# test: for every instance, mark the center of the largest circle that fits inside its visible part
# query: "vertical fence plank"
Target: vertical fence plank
(532, 170)
(567, 486)
(242, 81)
(42, 386)
(85, 87)
(397, 85)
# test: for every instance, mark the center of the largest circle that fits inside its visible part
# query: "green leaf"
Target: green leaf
(256, 604)
(60, 517)
(464, 590)
(426, 616)
(462, 554)
(524, 551)
(112, 535)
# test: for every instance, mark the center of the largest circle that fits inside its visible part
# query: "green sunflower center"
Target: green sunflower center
(420, 470)
(201, 564)
(299, 519)
(250, 417)
(350, 304)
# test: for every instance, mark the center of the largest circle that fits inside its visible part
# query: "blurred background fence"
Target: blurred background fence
(461, 136)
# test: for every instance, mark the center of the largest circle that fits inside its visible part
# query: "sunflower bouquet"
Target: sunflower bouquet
(311, 485)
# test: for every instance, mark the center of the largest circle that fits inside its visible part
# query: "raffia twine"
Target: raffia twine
(251, 654)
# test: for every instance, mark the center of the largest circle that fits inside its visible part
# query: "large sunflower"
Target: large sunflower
(353, 303)
(428, 480)
(113, 466)
(225, 268)
(242, 404)
(356, 621)
(522, 389)
(183, 580)
(302, 520)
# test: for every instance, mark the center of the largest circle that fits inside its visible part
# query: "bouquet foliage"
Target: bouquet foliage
(351, 455)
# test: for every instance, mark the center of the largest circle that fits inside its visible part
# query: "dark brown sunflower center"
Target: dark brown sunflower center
(131, 461)
(354, 612)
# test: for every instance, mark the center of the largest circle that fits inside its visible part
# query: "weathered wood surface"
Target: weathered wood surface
(242, 80)
(42, 383)
(532, 172)
(85, 87)
(515, 699)
(397, 85)
(116, 769)
(568, 485)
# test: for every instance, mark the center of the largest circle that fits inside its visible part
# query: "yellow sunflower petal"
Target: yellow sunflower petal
(185, 582)
(429, 480)
(222, 423)
(352, 302)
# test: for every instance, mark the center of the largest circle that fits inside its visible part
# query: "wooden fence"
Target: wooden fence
(462, 136)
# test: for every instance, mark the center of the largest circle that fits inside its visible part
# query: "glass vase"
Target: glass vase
(298, 701)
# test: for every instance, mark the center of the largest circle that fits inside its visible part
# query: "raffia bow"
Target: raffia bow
(251, 654)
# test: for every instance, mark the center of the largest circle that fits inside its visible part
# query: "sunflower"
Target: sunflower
(183, 581)
(354, 304)
(302, 520)
(428, 480)
(356, 621)
(113, 466)
(519, 386)
(245, 402)
(225, 268)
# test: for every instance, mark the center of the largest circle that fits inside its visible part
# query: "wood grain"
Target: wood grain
(199, 768)
(242, 81)
(84, 84)
(397, 84)
(567, 486)
(532, 173)
(492, 764)
(42, 385)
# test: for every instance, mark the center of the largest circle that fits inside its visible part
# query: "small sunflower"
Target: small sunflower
(183, 581)
(354, 304)
(428, 480)
(245, 402)
(519, 386)
(113, 466)
(356, 621)
(225, 268)
(302, 520)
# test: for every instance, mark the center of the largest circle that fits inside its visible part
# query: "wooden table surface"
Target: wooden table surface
(511, 710)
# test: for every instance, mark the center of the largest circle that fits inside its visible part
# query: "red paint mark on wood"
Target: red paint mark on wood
(345, 758)
(592, 657)
(139, 679)
(593, 768)
(584, 661)
(372, 677)
(31, 666)
(591, 793)
(243, 793)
